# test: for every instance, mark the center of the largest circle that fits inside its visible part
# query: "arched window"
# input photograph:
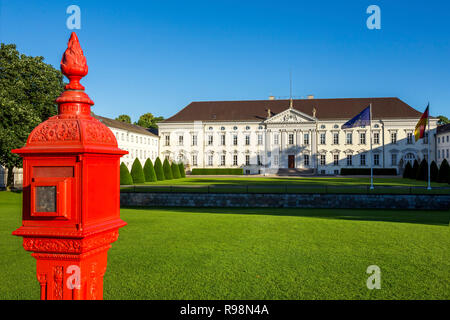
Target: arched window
(410, 157)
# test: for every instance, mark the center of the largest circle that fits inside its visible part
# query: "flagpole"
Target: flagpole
(429, 143)
(371, 155)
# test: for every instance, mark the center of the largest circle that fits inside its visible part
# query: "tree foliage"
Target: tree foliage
(28, 89)
(434, 172)
(137, 173)
(442, 120)
(147, 120)
(182, 171)
(415, 169)
(407, 171)
(175, 171)
(422, 173)
(124, 118)
(159, 170)
(125, 176)
(444, 172)
(168, 175)
(149, 171)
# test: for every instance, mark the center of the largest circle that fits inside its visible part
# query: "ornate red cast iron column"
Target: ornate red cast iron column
(71, 192)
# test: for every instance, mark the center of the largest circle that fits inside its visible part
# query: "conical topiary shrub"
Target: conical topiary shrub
(125, 176)
(175, 171)
(422, 174)
(136, 172)
(149, 171)
(407, 170)
(167, 170)
(415, 170)
(444, 172)
(159, 170)
(182, 172)
(434, 172)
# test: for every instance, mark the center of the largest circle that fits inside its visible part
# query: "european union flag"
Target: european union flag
(361, 119)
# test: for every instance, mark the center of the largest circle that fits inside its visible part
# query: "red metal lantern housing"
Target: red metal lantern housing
(71, 192)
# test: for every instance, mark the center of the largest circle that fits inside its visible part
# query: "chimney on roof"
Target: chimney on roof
(271, 98)
(310, 97)
(269, 114)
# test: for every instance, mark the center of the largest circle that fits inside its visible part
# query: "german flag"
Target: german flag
(419, 132)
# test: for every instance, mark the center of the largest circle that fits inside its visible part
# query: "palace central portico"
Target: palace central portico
(265, 136)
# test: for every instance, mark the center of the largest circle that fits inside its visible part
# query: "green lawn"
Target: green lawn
(175, 253)
(290, 185)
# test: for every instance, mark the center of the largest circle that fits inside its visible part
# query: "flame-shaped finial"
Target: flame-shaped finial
(73, 63)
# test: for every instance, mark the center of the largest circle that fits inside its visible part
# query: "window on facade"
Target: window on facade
(322, 160)
(291, 138)
(376, 159)
(336, 159)
(247, 160)
(247, 140)
(376, 138)
(394, 159)
(276, 138)
(222, 139)
(394, 137)
(180, 140)
(132, 138)
(349, 160)
(275, 160)
(167, 141)
(362, 159)
(194, 140)
(222, 160)
(258, 159)
(210, 140)
(210, 160)
(349, 138)
(235, 160)
(409, 138)
(235, 140)
(140, 140)
(447, 154)
(362, 138)
(322, 138)
(306, 160)
(194, 160)
(260, 139)
(425, 138)
(336, 138)
(306, 138)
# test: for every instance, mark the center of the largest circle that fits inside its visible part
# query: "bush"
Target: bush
(415, 170)
(366, 171)
(149, 171)
(444, 172)
(167, 170)
(434, 172)
(136, 172)
(218, 171)
(175, 171)
(181, 168)
(407, 171)
(125, 176)
(159, 170)
(422, 173)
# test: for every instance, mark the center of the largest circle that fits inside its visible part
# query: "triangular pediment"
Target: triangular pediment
(290, 116)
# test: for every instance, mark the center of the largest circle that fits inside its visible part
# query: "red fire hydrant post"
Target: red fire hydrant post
(71, 192)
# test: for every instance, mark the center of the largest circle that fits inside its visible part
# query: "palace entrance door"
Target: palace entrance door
(291, 161)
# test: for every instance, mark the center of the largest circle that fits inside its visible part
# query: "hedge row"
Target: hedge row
(366, 171)
(420, 171)
(158, 172)
(217, 171)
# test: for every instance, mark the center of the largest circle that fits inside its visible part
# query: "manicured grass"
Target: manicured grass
(290, 185)
(256, 254)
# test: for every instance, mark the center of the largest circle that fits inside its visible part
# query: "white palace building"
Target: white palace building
(265, 136)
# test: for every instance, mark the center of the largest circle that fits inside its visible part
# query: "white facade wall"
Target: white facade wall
(443, 147)
(292, 138)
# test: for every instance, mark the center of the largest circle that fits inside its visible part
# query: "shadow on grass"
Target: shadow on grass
(438, 218)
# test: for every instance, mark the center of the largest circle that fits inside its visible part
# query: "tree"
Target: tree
(28, 89)
(175, 171)
(136, 172)
(434, 172)
(159, 170)
(444, 172)
(147, 120)
(442, 120)
(125, 176)
(167, 170)
(422, 173)
(124, 118)
(149, 171)
(182, 172)
(408, 170)
(415, 169)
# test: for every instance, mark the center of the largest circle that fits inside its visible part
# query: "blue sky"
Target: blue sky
(158, 56)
